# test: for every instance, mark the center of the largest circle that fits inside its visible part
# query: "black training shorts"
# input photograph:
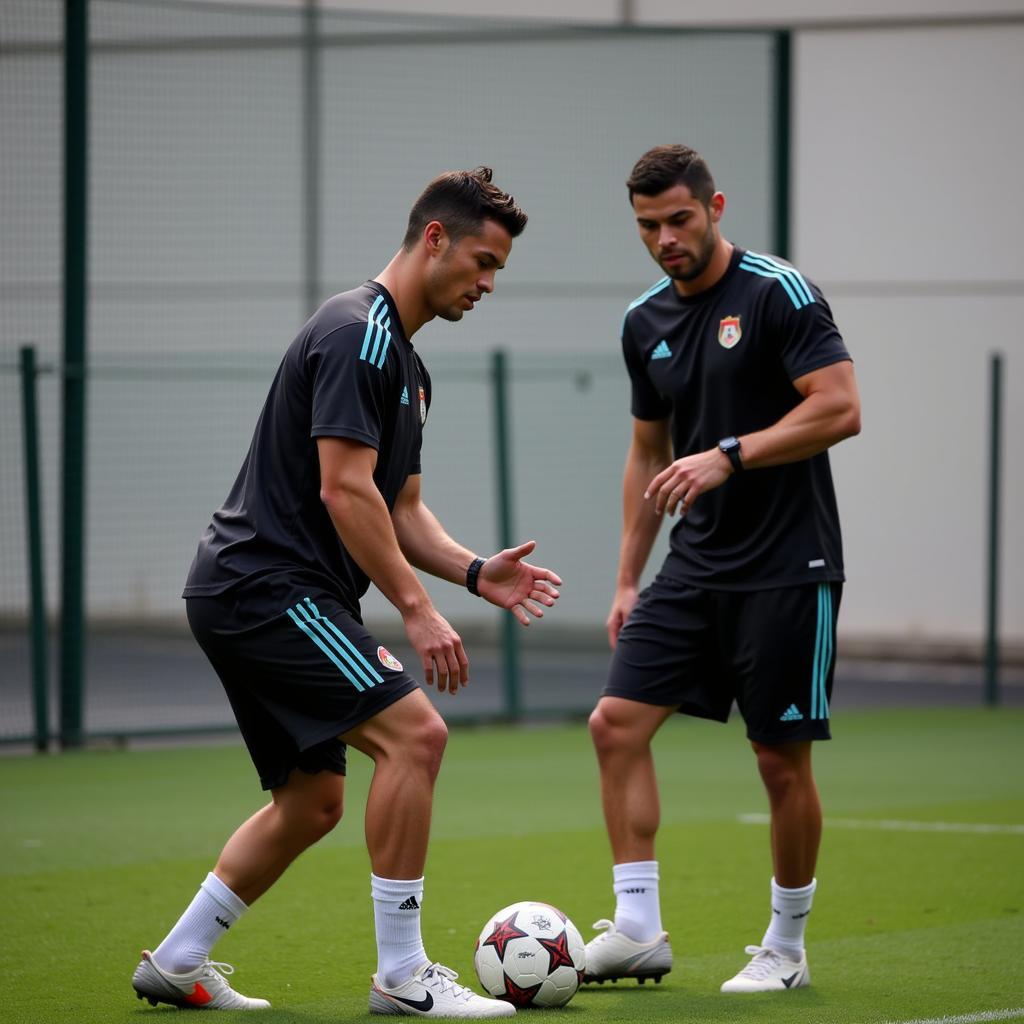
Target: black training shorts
(297, 680)
(773, 652)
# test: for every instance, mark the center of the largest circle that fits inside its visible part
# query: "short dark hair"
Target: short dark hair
(462, 201)
(665, 166)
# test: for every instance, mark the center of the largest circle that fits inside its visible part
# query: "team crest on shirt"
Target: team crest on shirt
(729, 331)
(423, 406)
(388, 660)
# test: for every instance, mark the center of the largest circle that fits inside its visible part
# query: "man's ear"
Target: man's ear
(435, 238)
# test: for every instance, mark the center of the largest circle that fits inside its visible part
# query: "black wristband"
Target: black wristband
(472, 573)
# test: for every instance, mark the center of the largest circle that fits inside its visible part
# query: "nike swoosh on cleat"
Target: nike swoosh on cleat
(199, 996)
(789, 981)
(423, 1004)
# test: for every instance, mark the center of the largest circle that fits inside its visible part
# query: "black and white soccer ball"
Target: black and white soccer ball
(530, 954)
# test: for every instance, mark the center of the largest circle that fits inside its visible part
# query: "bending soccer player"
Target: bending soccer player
(740, 383)
(327, 501)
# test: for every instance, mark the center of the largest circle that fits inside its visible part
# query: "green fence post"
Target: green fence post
(503, 471)
(994, 488)
(76, 82)
(34, 524)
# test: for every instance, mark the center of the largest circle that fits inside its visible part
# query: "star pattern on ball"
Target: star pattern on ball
(558, 951)
(519, 996)
(502, 934)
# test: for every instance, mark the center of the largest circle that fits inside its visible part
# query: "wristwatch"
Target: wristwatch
(731, 447)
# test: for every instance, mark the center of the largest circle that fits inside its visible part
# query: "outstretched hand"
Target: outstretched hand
(509, 582)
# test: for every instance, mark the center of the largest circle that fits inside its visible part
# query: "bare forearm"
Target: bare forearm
(426, 545)
(640, 522)
(361, 518)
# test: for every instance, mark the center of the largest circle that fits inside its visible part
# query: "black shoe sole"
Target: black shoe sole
(656, 976)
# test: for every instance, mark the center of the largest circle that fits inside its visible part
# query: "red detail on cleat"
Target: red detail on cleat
(199, 997)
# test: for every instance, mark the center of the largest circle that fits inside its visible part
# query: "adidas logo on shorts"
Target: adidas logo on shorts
(791, 714)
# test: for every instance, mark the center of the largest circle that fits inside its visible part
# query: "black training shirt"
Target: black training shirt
(722, 363)
(351, 373)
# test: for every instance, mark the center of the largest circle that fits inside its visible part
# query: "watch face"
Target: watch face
(728, 444)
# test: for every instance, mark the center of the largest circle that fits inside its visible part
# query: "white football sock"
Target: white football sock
(396, 914)
(790, 908)
(213, 911)
(637, 909)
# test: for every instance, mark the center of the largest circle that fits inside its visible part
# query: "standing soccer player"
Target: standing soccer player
(740, 383)
(328, 501)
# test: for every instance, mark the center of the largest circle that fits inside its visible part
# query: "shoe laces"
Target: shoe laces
(214, 969)
(443, 978)
(608, 927)
(764, 961)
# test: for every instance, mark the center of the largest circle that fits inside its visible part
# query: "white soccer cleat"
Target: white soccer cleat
(613, 955)
(205, 988)
(769, 971)
(432, 992)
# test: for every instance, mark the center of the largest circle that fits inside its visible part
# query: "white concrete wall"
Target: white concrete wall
(908, 211)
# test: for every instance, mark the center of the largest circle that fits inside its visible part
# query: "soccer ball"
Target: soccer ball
(530, 954)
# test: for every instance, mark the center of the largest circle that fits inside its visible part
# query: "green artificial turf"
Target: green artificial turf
(102, 850)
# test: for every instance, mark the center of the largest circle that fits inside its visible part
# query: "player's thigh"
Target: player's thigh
(409, 728)
(322, 665)
(298, 680)
(781, 646)
(666, 654)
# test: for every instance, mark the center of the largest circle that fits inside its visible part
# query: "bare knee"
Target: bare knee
(313, 806)
(783, 768)
(602, 732)
(612, 732)
(429, 744)
(325, 816)
(408, 736)
(420, 748)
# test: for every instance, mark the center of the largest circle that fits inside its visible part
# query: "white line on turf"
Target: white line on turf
(968, 1018)
(900, 826)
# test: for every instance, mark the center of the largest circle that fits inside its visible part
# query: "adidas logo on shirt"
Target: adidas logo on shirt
(410, 903)
(791, 714)
(661, 351)
(405, 396)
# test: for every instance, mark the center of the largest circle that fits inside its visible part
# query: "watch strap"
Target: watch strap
(473, 575)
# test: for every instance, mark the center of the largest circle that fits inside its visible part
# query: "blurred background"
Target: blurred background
(183, 182)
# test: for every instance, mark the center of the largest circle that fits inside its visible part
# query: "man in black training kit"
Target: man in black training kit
(328, 501)
(740, 376)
